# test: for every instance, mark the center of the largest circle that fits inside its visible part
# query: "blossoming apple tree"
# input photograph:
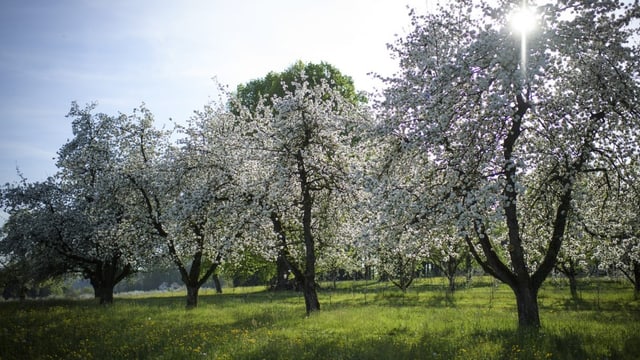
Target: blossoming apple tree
(303, 147)
(81, 214)
(488, 115)
(185, 195)
(260, 92)
(617, 229)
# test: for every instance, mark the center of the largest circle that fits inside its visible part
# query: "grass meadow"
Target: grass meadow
(359, 320)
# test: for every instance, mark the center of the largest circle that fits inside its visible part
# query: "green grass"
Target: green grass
(359, 320)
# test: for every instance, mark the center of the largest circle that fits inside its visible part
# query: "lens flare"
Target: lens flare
(523, 22)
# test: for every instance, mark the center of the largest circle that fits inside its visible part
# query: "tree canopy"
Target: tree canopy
(494, 132)
(518, 149)
(278, 83)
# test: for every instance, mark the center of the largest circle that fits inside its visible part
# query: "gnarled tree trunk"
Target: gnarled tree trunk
(568, 268)
(636, 282)
(573, 286)
(527, 302)
(524, 283)
(192, 278)
(192, 295)
(216, 283)
(304, 279)
(281, 281)
(311, 301)
(634, 276)
(104, 276)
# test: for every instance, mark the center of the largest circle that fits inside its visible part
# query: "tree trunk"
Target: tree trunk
(633, 276)
(517, 275)
(452, 282)
(309, 279)
(636, 280)
(468, 268)
(192, 296)
(217, 284)
(451, 267)
(22, 292)
(103, 290)
(573, 285)
(192, 278)
(310, 295)
(104, 276)
(282, 281)
(568, 269)
(368, 273)
(527, 302)
(96, 291)
(106, 294)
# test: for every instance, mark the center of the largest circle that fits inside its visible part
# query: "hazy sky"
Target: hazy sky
(165, 53)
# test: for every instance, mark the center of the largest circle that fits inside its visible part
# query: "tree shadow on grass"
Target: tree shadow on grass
(567, 304)
(261, 297)
(391, 345)
(441, 301)
(400, 343)
(390, 297)
(604, 311)
(631, 346)
(532, 344)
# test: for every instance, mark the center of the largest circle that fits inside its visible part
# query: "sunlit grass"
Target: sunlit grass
(359, 320)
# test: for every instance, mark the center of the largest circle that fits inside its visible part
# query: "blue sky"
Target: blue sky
(165, 53)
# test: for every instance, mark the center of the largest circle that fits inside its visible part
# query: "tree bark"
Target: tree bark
(527, 302)
(452, 282)
(405, 272)
(368, 273)
(452, 268)
(282, 281)
(573, 285)
(191, 277)
(403, 283)
(569, 270)
(217, 284)
(192, 296)
(468, 268)
(104, 276)
(194, 281)
(309, 278)
(102, 290)
(283, 264)
(22, 292)
(106, 295)
(311, 301)
(636, 280)
(305, 273)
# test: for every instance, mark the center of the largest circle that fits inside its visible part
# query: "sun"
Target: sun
(523, 19)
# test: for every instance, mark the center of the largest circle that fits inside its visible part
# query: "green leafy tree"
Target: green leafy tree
(277, 84)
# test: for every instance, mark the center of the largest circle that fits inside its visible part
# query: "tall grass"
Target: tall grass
(359, 320)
